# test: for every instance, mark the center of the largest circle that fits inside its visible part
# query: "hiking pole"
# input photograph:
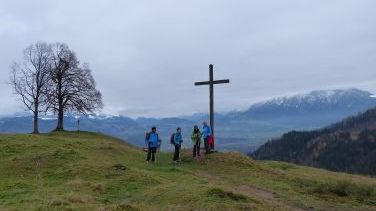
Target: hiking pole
(178, 161)
(157, 154)
(158, 151)
(171, 149)
(181, 148)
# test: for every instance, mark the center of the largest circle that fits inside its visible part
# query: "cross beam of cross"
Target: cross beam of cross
(211, 83)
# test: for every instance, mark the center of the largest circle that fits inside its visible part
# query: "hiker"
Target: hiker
(153, 143)
(178, 140)
(206, 133)
(196, 140)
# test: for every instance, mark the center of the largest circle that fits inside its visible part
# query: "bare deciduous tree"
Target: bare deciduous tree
(72, 86)
(29, 79)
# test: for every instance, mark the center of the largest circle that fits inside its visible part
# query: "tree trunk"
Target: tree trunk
(36, 130)
(60, 126)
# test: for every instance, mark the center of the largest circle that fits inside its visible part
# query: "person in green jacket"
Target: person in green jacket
(196, 140)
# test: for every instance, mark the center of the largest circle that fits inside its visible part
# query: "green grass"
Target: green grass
(88, 171)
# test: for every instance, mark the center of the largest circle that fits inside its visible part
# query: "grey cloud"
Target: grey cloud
(145, 55)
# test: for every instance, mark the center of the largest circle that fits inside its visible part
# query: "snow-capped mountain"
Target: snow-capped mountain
(332, 101)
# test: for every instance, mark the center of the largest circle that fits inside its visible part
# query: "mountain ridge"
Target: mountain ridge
(242, 131)
(347, 146)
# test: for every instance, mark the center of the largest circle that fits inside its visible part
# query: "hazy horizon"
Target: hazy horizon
(182, 115)
(146, 56)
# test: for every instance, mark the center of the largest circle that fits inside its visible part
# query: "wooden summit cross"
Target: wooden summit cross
(211, 83)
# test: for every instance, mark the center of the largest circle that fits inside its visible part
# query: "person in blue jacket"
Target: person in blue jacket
(153, 143)
(206, 133)
(178, 140)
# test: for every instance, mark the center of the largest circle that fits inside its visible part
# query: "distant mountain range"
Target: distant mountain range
(319, 106)
(242, 131)
(309, 111)
(348, 146)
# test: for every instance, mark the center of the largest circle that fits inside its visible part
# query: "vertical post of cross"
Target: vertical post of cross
(211, 90)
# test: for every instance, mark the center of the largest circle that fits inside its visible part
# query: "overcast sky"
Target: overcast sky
(146, 55)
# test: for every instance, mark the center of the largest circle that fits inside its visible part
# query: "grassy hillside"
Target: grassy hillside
(88, 171)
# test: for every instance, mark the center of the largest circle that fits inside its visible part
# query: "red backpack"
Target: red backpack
(211, 140)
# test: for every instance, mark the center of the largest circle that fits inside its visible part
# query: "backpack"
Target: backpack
(211, 140)
(172, 138)
(146, 147)
(147, 137)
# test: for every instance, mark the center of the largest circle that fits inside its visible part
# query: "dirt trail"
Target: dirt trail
(256, 192)
(264, 196)
(211, 177)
